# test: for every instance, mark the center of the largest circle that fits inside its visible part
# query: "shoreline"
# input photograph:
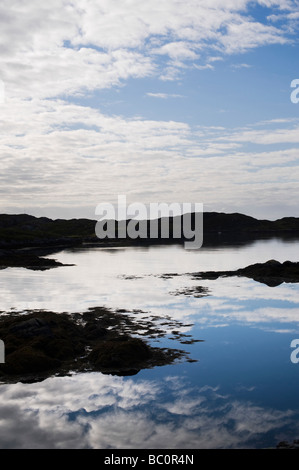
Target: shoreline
(42, 343)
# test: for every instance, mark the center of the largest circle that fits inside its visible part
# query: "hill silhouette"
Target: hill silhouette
(23, 230)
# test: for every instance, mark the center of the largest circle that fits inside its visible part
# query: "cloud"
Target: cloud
(164, 95)
(149, 161)
(244, 35)
(65, 48)
(268, 136)
(56, 56)
(204, 67)
(241, 66)
(178, 50)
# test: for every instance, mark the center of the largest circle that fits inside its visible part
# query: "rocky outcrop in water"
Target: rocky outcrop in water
(41, 343)
(28, 260)
(272, 273)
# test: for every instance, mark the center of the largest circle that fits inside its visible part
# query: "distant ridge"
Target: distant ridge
(23, 230)
(218, 221)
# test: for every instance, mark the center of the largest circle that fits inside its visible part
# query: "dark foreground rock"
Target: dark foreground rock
(41, 343)
(28, 260)
(273, 273)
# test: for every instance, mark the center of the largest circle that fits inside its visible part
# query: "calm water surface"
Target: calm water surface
(242, 391)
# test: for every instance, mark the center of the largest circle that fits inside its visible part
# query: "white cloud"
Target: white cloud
(267, 136)
(204, 67)
(69, 47)
(244, 35)
(150, 161)
(164, 95)
(55, 52)
(179, 50)
(241, 66)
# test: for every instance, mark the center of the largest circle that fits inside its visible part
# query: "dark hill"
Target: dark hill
(24, 230)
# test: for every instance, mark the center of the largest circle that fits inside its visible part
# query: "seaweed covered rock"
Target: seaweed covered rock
(41, 343)
(124, 352)
(272, 273)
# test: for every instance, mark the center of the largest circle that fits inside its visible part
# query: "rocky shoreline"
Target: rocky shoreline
(26, 259)
(272, 273)
(42, 343)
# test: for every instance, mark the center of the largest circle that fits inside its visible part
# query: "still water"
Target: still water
(242, 391)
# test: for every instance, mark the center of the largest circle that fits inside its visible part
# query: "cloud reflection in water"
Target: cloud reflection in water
(100, 411)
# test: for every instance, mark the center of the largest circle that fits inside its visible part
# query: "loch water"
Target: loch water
(241, 389)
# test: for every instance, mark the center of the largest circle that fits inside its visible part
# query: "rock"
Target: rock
(271, 273)
(39, 342)
(32, 327)
(45, 343)
(28, 260)
(123, 352)
(29, 360)
(93, 330)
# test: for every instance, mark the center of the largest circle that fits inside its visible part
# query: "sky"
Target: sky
(163, 101)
